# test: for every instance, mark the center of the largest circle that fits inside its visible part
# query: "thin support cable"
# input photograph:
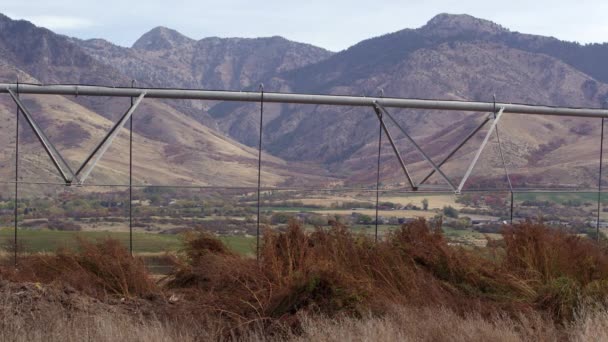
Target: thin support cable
(131, 177)
(599, 184)
(504, 164)
(16, 209)
(257, 233)
(378, 174)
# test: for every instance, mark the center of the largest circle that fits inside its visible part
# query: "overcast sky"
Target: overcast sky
(334, 25)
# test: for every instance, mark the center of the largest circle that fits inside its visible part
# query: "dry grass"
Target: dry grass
(427, 324)
(58, 322)
(97, 269)
(331, 285)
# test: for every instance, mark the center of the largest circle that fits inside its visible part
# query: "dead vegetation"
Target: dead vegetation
(98, 269)
(537, 284)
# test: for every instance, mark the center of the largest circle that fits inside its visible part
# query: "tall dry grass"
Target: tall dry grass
(334, 283)
(97, 269)
(58, 322)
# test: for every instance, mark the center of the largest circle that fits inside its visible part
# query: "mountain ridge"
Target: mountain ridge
(456, 57)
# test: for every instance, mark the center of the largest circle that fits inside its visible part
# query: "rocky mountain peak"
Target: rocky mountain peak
(456, 24)
(161, 38)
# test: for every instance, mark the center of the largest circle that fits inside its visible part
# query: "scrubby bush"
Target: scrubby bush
(333, 272)
(97, 268)
(64, 226)
(450, 211)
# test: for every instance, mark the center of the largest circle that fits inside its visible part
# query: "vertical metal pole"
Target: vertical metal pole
(378, 174)
(257, 234)
(511, 206)
(504, 163)
(16, 246)
(599, 184)
(131, 177)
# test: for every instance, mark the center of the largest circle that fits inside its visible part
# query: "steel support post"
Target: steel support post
(16, 209)
(481, 148)
(131, 176)
(257, 235)
(457, 148)
(599, 184)
(87, 166)
(378, 173)
(379, 114)
(504, 164)
(512, 197)
(413, 142)
(60, 164)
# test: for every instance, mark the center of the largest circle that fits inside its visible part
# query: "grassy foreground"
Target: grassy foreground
(328, 285)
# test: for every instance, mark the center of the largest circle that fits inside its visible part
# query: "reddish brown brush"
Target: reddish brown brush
(537, 252)
(563, 269)
(96, 268)
(335, 273)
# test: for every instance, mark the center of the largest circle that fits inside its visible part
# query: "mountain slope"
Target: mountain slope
(453, 57)
(171, 147)
(173, 61)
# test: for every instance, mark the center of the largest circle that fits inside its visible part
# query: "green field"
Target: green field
(560, 197)
(47, 240)
(289, 209)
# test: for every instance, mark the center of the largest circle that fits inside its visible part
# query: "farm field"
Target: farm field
(371, 212)
(47, 241)
(436, 201)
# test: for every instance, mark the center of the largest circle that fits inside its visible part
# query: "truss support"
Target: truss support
(424, 155)
(87, 166)
(457, 148)
(60, 164)
(379, 114)
(481, 148)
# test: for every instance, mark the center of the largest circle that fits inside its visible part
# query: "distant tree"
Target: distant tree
(425, 204)
(280, 218)
(365, 219)
(450, 211)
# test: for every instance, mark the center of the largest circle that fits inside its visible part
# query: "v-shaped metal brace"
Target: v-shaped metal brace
(58, 161)
(458, 147)
(397, 154)
(481, 147)
(379, 109)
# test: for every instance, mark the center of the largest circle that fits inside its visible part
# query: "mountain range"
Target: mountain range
(452, 57)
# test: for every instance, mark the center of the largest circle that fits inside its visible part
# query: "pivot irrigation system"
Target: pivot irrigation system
(380, 105)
